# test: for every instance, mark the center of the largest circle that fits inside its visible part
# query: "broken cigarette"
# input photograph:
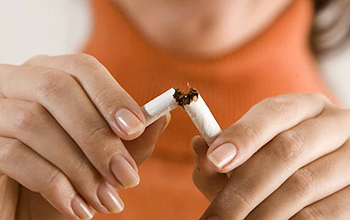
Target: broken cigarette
(204, 120)
(193, 104)
(159, 106)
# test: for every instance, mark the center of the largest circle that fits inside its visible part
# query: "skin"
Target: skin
(282, 168)
(292, 162)
(59, 137)
(60, 140)
(201, 29)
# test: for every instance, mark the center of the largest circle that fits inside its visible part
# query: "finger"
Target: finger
(336, 206)
(260, 125)
(117, 107)
(142, 147)
(96, 79)
(206, 179)
(33, 172)
(34, 126)
(252, 182)
(307, 186)
(67, 102)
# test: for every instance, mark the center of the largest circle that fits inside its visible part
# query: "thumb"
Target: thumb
(142, 147)
(206, 179)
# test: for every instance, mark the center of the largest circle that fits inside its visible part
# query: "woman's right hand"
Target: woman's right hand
(69, 135)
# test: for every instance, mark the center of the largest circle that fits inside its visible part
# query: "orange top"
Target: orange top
(277, 61)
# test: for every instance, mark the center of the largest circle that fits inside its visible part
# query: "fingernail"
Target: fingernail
(110, 199)
(81, 209)
(124, 172)
(222, 155)
(128, 122)
(195, 157)
(168, 119)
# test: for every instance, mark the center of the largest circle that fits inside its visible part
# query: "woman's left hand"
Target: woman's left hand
(290, 159)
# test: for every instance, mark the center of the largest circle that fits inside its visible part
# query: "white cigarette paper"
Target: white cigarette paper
(203, 119)
(159, 106)
(196, 109)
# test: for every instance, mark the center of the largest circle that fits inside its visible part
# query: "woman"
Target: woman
(71, 133)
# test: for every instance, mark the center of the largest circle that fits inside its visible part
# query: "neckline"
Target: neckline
(299, 38)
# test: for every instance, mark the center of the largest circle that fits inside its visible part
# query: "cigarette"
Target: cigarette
(203, 119)
(193, 104)
(159, 106)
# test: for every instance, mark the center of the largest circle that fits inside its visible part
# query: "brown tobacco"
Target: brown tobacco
(185, 99)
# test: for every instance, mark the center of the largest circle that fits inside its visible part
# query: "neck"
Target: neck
(203, 29)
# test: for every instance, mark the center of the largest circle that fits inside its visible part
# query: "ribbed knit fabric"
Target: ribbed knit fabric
(278, 61)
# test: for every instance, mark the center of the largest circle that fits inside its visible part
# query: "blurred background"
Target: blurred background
(53, 27)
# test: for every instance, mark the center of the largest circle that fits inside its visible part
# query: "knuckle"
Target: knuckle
(54, 83)
(246, 130)
(36, 59)
(310, 213)
(281, 105)
(9, 149)
(102, 98)
(241, 196)
(27, 118)
(84, 57)
(302, 182)
(96, 135)
(321, 97)
(84, 168)
(53, 183)
(288, 146)
(81, 165)
(85, 60)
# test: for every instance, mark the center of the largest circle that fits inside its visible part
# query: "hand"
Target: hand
(69, 135)
(290, 159)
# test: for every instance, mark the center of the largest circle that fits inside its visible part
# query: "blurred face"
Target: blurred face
(201, 28)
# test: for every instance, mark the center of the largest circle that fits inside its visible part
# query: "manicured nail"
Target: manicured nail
(124, 172)
(128, 122)
(109, 198)
(195, 157)
(81, 209)
(168, 119)
(222, 155)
